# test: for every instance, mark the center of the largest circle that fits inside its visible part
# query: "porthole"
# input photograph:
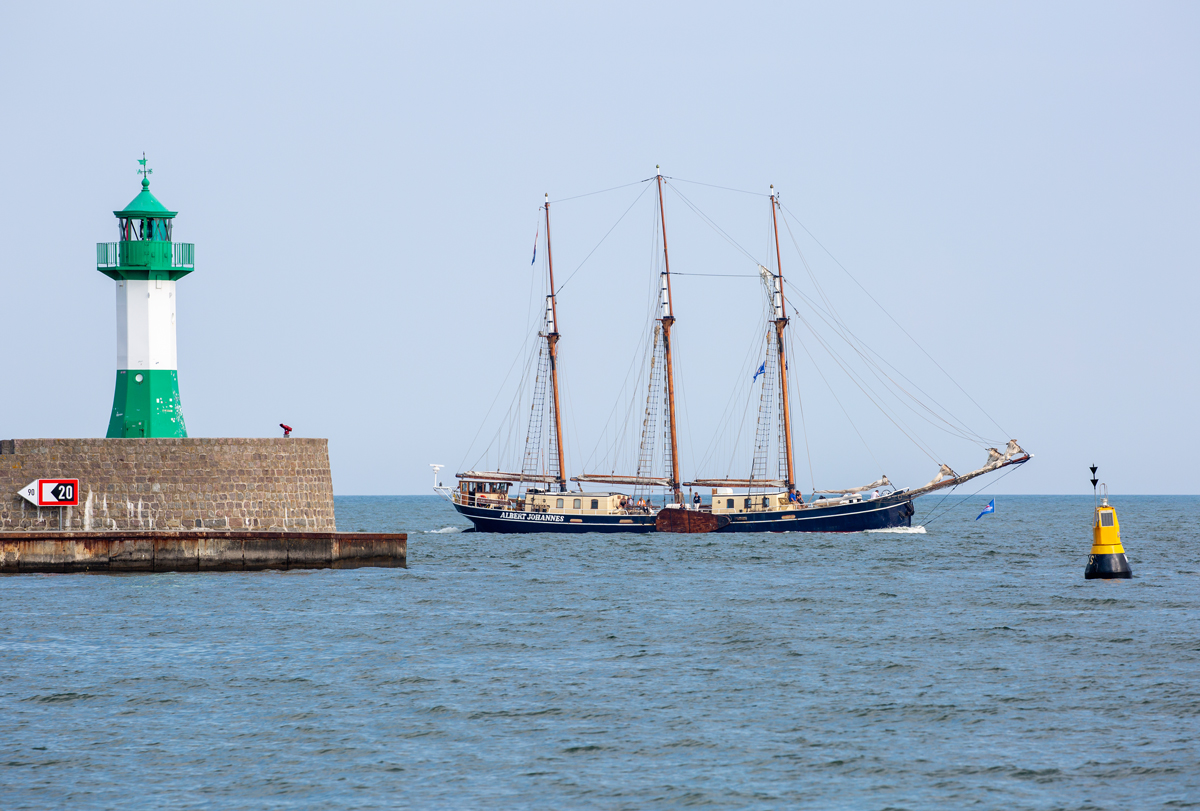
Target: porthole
(138, 378)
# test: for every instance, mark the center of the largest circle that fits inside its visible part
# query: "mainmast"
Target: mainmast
(667, 319)
(780, 322)
(552, 336)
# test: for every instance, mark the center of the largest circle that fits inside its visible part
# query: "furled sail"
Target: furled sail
(883, 482)
(499, 476)
(600, 478)
(1013, 455)
(755, 483)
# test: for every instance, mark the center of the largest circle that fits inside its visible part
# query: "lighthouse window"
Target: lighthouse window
(1106, 519)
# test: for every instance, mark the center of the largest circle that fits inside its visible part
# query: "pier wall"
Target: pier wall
(197, 551)
(172, 484)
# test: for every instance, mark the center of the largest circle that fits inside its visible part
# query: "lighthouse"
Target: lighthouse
(144, 264)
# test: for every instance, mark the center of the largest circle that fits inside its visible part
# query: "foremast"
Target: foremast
(551, 335)
(667, 319)
(533, 468)
(781, 321)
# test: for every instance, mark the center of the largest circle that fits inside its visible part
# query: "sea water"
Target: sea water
(969, 665)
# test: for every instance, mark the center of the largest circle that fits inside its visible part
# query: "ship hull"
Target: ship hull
(487, 519)
(882, 513)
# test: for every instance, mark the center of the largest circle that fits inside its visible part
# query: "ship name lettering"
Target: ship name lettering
(532, 516)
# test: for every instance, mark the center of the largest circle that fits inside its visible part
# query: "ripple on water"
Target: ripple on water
(958, 664)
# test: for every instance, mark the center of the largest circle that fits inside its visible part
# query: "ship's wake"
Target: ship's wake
(899, 531)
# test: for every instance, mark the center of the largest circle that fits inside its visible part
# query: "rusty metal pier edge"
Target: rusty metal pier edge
(197, 551)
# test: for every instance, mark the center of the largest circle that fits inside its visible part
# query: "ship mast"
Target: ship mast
(781, 321)
(667, 319)
(552, 336)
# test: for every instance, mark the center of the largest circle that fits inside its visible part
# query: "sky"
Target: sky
(1017, 184)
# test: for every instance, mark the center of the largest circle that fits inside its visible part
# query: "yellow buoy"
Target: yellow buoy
(1107, 560)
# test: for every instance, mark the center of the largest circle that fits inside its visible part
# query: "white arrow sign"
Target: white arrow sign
(29, 492)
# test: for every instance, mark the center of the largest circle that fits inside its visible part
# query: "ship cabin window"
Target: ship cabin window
(729, 504)
(1106, 518)
(766, 502)
(578, 505)
(747, 505)
(559, 504)
(595, 504)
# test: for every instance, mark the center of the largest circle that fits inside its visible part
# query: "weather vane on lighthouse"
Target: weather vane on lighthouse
(144, 171)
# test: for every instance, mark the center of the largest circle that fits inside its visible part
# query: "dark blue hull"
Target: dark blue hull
(487, 519)
(882, 513)
(888, 512)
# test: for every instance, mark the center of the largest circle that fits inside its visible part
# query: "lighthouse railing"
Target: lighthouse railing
(145, 254)
(184, 255)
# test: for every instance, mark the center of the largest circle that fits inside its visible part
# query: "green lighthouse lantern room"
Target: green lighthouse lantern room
(145, 263)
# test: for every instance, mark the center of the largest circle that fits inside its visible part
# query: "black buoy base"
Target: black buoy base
(1107, 567)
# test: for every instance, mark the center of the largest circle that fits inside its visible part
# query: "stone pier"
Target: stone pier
(197, 551)
(180, 504)
(172, 484)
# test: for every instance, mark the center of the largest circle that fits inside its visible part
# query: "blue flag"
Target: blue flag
(990, 508)
(536, 234)
(761, 370)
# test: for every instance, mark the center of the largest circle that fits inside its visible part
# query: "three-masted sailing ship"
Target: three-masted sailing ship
(538, 497)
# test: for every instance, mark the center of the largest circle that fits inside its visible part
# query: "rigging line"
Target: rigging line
(713, 225)
(574, 420)
(950, 428)
(803, 422)
(954, 425)
(721, 275)
(925, 449)
(726, 188)
(512, 415)
(953, 507)
(712, 449)
(639, 354)
(746, 410)
(520, 352)
(679, 377)
(611, 449)
(500, 390)
(894, 321)
(838, 401)
(958, 425)
(602, 191)
(601, 242)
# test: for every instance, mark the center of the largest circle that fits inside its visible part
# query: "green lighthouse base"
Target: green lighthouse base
(146, 404)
